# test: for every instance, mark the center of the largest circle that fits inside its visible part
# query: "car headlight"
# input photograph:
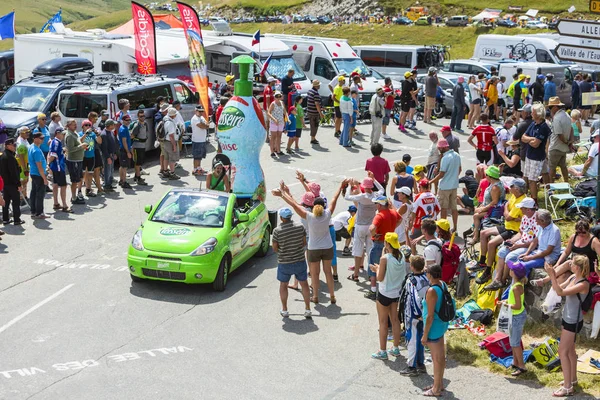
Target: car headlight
(205, 247)
(136, 242)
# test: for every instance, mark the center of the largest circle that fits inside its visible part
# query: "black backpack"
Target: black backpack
(586, 188)
(160, 130)
(448, 308)
(586, 303)
(484, 316)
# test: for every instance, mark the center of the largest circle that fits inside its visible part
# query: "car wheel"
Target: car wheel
(136, 279)
(439, 111)
(264, 244)
(222, 275)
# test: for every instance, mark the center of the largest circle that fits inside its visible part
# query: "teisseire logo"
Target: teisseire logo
(231, 117)
(174, 231)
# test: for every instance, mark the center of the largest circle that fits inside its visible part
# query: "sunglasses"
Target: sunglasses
(86, 125)
(126, 119)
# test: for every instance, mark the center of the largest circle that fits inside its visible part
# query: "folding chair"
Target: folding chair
(186, 143)
(581, 156)
(557, 192)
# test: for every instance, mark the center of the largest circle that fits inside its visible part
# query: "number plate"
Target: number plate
(163, 265)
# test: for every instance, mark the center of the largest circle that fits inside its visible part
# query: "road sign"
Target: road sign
(595, 6)
(582, 29)
(587, 55)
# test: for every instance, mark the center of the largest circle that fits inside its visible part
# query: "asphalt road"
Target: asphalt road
(73, 326)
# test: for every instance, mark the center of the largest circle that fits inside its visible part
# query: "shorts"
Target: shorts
(501, 103)
(362, 240)
(139, 155)
(387, 113)
(319, 255)
(517, 105)
(75, 169)
(483, 156)
(386, 301)
(354, 121)
(533, 169)
(413, 104)
(575, 328)
(516, 329)
(435, 340)
(429, 102)
(338, 112)
(170, 155)
(88, 164)
(588, 173)
(124, 161)
(199, 150)
(467, 201)
(375, 256)
(59, 178)
(275, 127)
(97, 159)
(342, 234)
(298, 132)
(505, 233)
(162, 147)
(298, 269)
(447, 199)
(291, 134)
(557, 159)
(476, 101)
(405, 105)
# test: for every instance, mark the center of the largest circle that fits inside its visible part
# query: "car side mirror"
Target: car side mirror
(148, 208)
(243, 217)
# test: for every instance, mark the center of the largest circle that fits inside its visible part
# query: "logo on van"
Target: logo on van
(491, 52)
(231, 117)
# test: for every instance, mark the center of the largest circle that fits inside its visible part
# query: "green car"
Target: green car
(198, 236)
(422, 21)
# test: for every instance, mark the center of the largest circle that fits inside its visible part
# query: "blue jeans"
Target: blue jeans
(458, 113)
(332, 233)
(345, 136)
(375, 255)
(108, 173)
(516, 329)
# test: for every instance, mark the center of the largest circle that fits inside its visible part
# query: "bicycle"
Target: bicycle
(437, 56)
(328, 116)
(521, 51)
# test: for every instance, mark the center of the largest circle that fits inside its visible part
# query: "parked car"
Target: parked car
(403, 21)
(553, 24)
(447, 83)
(468, 67)
(536, 25)
(423, 21)
(506, 23)
(458, 20)
(324, 19)
(310, 19)
(261, 18)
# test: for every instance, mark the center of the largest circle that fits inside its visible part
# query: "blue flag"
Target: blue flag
(7, 26)
(48, 26)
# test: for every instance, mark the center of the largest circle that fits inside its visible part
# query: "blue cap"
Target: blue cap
(541, 77)
(520, 183)
(352, 209)
(285, 213)
(380, 200)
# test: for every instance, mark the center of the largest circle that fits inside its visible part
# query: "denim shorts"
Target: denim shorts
(298, 269)
(199, 150)
(375, 256)
(516, 329)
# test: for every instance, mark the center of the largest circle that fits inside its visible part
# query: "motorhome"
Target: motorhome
(7, 70)
(520, 47)
(394, 60)
(325, 58)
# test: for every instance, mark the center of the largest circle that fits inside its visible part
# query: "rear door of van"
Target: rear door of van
(78, 104)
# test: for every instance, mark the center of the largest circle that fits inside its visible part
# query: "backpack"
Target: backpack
(450, 259)
(511, 89)
(586, 188)
(448, 308)
(586, 303)
(484, 316)
(160, 130)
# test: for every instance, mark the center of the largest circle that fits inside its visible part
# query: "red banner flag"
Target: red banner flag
(193, 35)
(145, 39)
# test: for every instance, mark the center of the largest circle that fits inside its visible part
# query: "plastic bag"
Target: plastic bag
(596, 322)
(504, 321)
(551, 303)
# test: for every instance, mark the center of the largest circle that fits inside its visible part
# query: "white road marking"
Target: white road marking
(32, 309)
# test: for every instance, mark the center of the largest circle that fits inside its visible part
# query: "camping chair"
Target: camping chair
(581, 156)
(554, 193)
(186, 140)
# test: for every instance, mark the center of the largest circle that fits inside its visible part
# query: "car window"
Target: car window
(25, 98)
(445, 83)
(145, 98)
(373, 58)
(398, 59)
(324, 68)
(460, 68)
(183, 94)
(542, 55)
(77, 105)
(218, 62)
(478, 70)
(194, 209)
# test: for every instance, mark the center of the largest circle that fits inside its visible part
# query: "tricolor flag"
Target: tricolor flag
(266, 65)
(256, 38)
(49, 26)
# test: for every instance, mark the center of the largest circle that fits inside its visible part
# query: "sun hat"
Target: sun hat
(555, 101)
(432, 69)
(352, 209)
(418, 169)
(404, 190)
(518, 268)
(164, 107)
(229, 77)
(172, 112)
(382, 200)
(285, 212)
(442, 144)
(527, 202)
(314, 188)
(308, 199)
(367, 183)
(443, 224)
(392, 239)
(520, 183)
(316, 82)
(493, 172)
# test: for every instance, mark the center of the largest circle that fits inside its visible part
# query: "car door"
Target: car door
(239, 239)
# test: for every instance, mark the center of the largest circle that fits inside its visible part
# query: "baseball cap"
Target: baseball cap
(446, 128)
(526, 108)
(518, 268)
(461, 79)
(308, 199)
(424, 182)
(380, 200)
(104, 112)
(442, 144)
(527, 202)
(292, 108)
(392, 239)
(432, 69)
(520, 183)
(341, 78)
(164, 107)
(352, 209)
(541, 76)
(172, 112)
(521, 77)
(469, 172)
(41, 116)
(271, 79)
(285, 212)
(229, 77)
(367, 183)
(109, 122)
(493, 172)
(443, 224)
(406, 157)
(404, 189)
(9, 142)
(60, 129)
(277, 93)
(86, 122)
(418, 169)
(407, 74)
(199, 108)
(595, 133)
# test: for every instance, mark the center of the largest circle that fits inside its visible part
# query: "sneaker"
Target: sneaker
(371, 295)
(274, 155)
(284, 313)
(290, 151)
(409, 371)
(386, 136)
(126, 185)
(394, 352)
(90, 193)
(336, 278)
(380, 355)
(484, 277)
(19, 222)
(141, 182)
(77, 200)
(422, 369)
(307, 314)
(177, 165)
(460, 131)
(143, 172)
(42, 216)
(337, 134)
(402, 129)
(346, 252)
(495, 285)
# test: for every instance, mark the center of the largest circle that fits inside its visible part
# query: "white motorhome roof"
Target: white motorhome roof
(550, 43)
(392, 46)
(338, 48)
(268, 45)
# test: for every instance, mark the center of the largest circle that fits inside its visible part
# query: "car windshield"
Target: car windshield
(194, 209)
(25, 98)
(279, 66)
(376, 74)
(349, 65)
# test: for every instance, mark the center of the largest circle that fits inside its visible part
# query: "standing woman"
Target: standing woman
(435, 329)
(475, 94)
(575, 289)
(278, 117)
(403, 206)
(391, 272)
(320, 245)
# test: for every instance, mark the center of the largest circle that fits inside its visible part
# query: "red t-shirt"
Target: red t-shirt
(389, 100)
(267, 97)
(379, 167)
(218, 114)
(485, 137)
(385, 221)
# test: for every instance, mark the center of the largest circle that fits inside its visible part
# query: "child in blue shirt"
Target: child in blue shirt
(291, 130)
(354, 98)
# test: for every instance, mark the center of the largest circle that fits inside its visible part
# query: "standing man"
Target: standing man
(171, 146)
(336, 96)
(518, 95)
(549, 88)
(54, 123)
(199, 133)
(405, 99)
(75, 149)
(56, 161)
(537, 89)
(126, 151)
(159, 119)
(448, 177)
(140, 133)
(389, 96)
(431, 84)
(458, 110)
(88, 136)
(45, 146)
(313, 110)
(287, 86)
(560, 140)
(227, 89)
(376, 109)
(536, 137)
(109, 153)
(501, 88)
(39, 182)
(10, 173)
(289, 242)
(22, 154)
(522, 128)
(103, 118)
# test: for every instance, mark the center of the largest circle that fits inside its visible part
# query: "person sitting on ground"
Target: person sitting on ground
(493, 237)
(545, 248)
(511, 160)
(494, 195)
(217, 179)
(340, 224)
(590, 167)
(466, 201)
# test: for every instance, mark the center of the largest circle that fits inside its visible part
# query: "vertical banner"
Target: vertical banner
(193, 35)
(145, 39)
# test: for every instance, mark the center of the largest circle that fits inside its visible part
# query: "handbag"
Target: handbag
(504, 321)
(497, 344)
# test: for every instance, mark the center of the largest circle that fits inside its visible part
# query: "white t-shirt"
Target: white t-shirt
(319, 237)
(170, 129)
(198, 134)
(474, 93)
(341, 220)
(501, 92)
(52, 128)
(503, 135)
(179, 120)
(432, 252)
(593, 169)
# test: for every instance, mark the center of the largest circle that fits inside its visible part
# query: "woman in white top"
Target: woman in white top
(403, 208)
(391, 272)
(476, 101)
(278, 117)
(320, 245)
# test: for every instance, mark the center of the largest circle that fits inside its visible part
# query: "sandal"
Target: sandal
(563, 392)
(67, 210)
(518, 371)
(56, 207)
(562, 383)
(353, 278)
(431, 393)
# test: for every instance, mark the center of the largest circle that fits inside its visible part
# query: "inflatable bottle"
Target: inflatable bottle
(242, 134)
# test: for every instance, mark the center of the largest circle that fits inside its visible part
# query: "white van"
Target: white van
(325, 58)
(394, 60)
(519, 47)
(104, 92)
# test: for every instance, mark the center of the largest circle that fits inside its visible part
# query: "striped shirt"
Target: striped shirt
(290, 240)
(312, 98)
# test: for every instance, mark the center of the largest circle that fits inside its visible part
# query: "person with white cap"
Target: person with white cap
(289, 242)
(560, 140)
(590, 167)
(171, 143)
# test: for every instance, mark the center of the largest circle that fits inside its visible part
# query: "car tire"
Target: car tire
(222, 275)
(439, 111)
(136, 279)
(264, 244)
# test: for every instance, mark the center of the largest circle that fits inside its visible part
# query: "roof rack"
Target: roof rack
(113, 81)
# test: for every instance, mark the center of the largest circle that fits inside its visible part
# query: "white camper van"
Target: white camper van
(394, 60)
(520, 47)
(325, 58)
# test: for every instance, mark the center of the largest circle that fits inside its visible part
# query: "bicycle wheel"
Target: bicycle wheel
(429, 57)
(529, 51)
(517, 51)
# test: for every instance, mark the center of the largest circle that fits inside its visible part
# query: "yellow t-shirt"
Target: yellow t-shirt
(514, 212)
(337, 92)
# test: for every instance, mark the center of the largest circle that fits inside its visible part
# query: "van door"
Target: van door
(324, 72)
(563, 78)
(218, 65)
(78, 105)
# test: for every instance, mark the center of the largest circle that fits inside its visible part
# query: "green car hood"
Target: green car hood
(177, 239)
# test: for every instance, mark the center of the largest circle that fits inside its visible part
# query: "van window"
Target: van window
(79, 105)
(219, 63)
(146, 98)
(70, 55)
(324, 68)
(398, 59)
(373, 58)
(183, 94)
(542, 55)
(110, 67)
(460, 68)
(303, 59)
(475, 70)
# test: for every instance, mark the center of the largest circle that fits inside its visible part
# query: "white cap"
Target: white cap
(271, 79)
(527, 202)
(404, 189)
(595, 133)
